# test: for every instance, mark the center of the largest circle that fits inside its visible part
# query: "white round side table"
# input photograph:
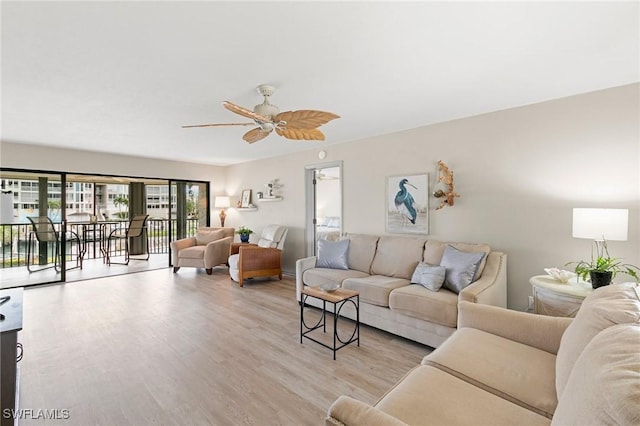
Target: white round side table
(554, 298)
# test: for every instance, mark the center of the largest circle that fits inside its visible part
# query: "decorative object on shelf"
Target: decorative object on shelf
(296, 125)
(444, 187)
(560, 275)
(407, 204)
(273, 188)
(244, 233)
(600, 225)
(222, 202)
(246, 198)
(259, 195)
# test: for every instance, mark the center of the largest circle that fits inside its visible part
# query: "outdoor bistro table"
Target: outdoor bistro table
(338, 298)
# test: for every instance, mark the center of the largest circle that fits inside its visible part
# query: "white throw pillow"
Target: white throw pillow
(461, 267)
(333, 254)
(429, 276)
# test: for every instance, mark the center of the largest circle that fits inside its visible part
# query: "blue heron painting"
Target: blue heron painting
(407, 204)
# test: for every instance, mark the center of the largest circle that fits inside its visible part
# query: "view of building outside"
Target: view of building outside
(84, 199)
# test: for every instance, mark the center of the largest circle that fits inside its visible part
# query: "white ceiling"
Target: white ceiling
(124, 76)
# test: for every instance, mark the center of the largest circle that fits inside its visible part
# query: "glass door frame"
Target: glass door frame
(311, 243)
(38, 175)
(180, 187)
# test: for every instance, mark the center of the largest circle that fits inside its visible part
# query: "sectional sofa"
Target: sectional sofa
(505, 367)
(381, 269)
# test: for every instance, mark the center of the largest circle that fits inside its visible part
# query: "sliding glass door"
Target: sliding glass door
(54, 222)
(36, 247)
(189, 207)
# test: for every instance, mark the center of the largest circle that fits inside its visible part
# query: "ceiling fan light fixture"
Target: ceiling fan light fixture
(295, 125)
(266, 109)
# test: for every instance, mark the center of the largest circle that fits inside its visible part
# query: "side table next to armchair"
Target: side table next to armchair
(259, 260)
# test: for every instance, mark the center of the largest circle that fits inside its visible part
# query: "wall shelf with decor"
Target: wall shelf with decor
(247, 209)
(269, 199)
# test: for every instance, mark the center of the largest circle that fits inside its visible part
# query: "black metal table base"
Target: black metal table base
(322, 323)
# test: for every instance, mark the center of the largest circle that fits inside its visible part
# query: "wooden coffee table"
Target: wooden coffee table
(338, 298)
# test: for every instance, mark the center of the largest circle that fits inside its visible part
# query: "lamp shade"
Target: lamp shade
(601, 224)
(222, 202)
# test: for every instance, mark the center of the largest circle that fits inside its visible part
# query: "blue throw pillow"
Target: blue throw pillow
(333, 254)
(461, 267)
(431, 277)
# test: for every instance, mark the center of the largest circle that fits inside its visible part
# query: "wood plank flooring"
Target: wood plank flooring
(191, 349)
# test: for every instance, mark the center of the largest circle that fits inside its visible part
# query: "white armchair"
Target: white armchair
(210, 247)
(259, 260)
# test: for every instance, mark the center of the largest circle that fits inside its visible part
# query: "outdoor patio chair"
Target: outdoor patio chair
(44, 233)
(137, 229)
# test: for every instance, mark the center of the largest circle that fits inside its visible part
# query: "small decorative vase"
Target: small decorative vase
(600, 279)
(244, 238)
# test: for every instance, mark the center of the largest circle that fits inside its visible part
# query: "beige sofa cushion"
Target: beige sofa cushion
(604, 386)
(433, 251)
(518, 373)
(397, 256)
(374, 289)
(325, 276)
(428, 395)
(194, 252)
(362, 248)
(204, 237)
(440, 307)
(605, 307)
(350, 411)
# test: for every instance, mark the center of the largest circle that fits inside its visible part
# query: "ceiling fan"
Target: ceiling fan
(297, 125)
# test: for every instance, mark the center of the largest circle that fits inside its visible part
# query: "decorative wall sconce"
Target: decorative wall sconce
(444, 187)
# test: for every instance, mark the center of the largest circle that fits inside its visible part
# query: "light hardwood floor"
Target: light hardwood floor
(188, 348)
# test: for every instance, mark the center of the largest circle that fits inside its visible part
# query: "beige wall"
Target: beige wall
(519, 172)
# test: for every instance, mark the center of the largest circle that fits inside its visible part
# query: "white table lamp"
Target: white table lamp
(222, 202)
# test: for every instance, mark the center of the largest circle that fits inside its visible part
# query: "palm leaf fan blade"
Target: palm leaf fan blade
(305, 118)
(244, 111)
(301, 134)
(254, 135)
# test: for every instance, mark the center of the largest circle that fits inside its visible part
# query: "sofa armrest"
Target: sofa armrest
(301, 266)
(491, 287)
(217, 252)
(540, 331)
(178, 245)
(348, 411)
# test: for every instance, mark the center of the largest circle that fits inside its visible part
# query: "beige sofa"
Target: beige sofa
(505, 367)
(381, 268)
(208, 248)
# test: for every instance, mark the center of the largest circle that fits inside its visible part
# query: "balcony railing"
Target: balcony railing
(15, 238)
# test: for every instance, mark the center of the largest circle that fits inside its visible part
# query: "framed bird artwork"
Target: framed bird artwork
(408, 204)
